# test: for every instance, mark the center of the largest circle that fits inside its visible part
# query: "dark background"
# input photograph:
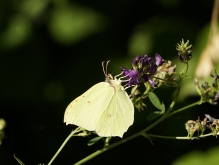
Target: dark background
(51, 52)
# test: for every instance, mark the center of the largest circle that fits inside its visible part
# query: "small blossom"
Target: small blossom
(184, 51)
(191, 128)
(159, 60)
(143, 69)
(211, 119)
(207, 93)
(216, 77)
(213, 124)
(166, 72)
(132, 76)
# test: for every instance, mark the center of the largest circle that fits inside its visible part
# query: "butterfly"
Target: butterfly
(104, 108)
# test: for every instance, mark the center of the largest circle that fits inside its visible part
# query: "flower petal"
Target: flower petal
(158, 59)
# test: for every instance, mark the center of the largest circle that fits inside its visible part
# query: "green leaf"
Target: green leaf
(155, 101)
(153, 115)
(19, 161)
(163, 108)
(158, 112)
(94, 140)
(172, 84)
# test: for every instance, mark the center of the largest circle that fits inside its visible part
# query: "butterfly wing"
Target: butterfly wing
(118, 115)
(103, 108)
(86, 110)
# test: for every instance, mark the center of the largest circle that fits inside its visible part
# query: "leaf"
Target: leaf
(153, 115)
(158, 112)
(94, 140)
(155, 101)
(163, 108)
(172, 84)
(19, 161)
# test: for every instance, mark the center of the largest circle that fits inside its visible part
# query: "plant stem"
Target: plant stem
(181, 138)
(91, 156)
(133, 136)
(63, 144)
(187, 67)
(186, 107)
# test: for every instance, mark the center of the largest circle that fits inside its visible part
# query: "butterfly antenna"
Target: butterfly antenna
(105, 68)
(107, 65)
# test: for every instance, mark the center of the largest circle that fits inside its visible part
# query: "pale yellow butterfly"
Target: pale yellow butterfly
(104, 108)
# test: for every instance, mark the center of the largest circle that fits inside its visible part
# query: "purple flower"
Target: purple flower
(132, 76)
(158, 59)
(143, 69)
(136, 59)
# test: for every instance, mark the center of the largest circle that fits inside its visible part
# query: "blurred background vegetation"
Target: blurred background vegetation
(51, 52)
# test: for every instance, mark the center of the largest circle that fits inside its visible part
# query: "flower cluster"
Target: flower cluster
(184, 51)
(196, 126)
(213, 124)
(199, 126)
(165, 73)
(143, 69)
(208, 93)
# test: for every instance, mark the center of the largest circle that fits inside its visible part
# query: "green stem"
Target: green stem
(187, 67)
(186, 107)
(174, 101)
(181, 138)
(98, 152)
(63, 144)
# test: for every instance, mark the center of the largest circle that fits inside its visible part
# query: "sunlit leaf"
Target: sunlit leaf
(16, 33)
(71, 24)
(33, 8)
(209, 156)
